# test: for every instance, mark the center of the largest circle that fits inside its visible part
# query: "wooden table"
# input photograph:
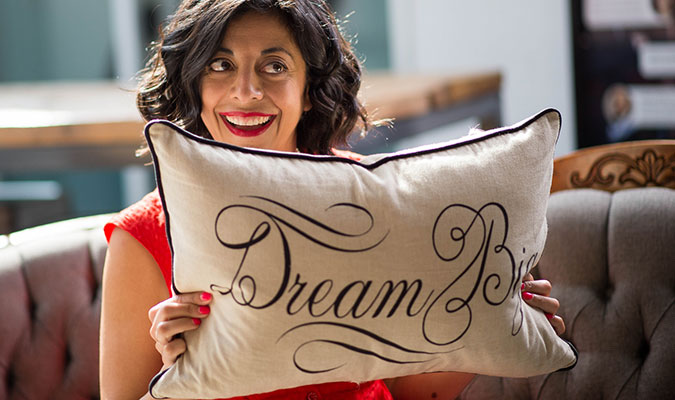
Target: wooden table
(48, 126)
(58, 126)
(419, 103)
(95, 125)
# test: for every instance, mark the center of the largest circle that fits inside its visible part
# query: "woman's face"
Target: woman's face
(253, 90)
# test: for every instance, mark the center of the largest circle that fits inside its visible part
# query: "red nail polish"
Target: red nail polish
(205, 296)
(196, 321)
(548, 315)
(204, 310)
(527, 296)
(522, 287)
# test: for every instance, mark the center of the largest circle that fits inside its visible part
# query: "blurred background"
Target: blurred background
(68, 126)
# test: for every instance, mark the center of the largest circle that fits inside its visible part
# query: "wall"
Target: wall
(529, 41)
(60, 40)
(365, 21)
(49, 40)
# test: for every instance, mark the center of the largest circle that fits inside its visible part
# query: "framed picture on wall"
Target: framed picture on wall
(624, 64)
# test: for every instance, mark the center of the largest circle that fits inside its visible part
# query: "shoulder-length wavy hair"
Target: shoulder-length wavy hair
(170, 83)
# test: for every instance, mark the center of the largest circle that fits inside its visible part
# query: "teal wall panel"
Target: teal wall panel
(54, 40)
(367, 25)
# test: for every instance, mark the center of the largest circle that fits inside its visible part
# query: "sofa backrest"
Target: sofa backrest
(50, 298)
(611, 258)
(610, 254)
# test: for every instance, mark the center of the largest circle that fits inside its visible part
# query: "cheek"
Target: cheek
(290, 98)
(209, 118)
(207, 96)
(209, 101)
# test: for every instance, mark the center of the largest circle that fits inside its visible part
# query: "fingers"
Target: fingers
(199, 298)
(536, 294)
(181, 305)
(172, 310)
(541, 287)
(166, 331)
(174, 316)
(558, 323)
(194, 305)
(171, 351)
(544, 303)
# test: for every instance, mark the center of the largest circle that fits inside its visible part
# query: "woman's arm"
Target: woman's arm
(139, 320)
(132, 284)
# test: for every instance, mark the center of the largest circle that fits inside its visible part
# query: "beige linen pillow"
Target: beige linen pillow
(327, 269)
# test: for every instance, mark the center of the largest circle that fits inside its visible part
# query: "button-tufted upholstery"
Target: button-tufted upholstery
(611, 258)
(50, 300)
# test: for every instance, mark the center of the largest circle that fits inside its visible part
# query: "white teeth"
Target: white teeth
(247, 121)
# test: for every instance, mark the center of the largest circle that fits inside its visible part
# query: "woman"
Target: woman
(269, 74)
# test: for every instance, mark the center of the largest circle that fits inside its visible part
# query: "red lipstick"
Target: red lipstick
(244, 130)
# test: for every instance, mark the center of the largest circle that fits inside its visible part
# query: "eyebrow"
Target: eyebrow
(264, 52)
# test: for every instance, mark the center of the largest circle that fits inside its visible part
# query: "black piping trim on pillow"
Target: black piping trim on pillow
(268, 153)
(576, 357)
(393, 156)
(167, 219)
(154, 381)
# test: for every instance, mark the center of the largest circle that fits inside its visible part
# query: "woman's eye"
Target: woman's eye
(220, 65)
(274, 68)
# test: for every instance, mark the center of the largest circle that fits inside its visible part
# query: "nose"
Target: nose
(246, 86)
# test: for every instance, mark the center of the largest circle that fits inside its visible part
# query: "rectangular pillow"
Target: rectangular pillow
(328, 269)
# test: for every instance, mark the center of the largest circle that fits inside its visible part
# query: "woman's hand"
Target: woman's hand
(536, 294)
(172, 317)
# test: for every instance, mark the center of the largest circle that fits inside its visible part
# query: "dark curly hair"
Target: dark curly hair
(170, 83)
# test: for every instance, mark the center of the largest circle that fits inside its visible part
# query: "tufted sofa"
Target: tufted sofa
(611, 258)
(610, 254)
(50, 299)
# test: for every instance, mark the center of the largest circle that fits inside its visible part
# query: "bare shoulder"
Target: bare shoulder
(130, 266)
(123, 248)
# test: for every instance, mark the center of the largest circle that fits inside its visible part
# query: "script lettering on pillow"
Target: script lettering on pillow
(327, 269)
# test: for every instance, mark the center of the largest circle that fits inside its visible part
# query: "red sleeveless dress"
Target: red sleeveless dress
(145, 222)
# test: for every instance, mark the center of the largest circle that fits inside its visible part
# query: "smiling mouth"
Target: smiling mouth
(247, 124)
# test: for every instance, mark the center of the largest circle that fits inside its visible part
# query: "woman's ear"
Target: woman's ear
(307, 103)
